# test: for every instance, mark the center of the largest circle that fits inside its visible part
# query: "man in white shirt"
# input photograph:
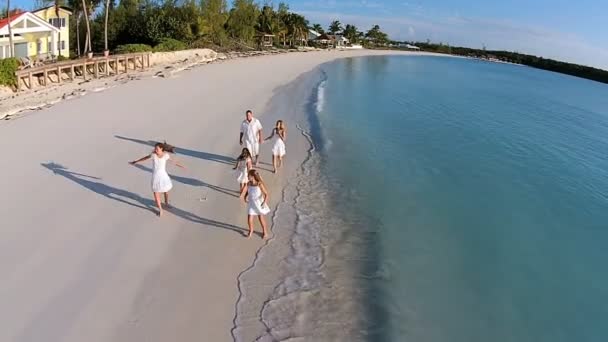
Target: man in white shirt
(251, 131)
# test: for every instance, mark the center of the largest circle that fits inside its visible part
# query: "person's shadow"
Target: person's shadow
(192, 153)
(93, 183)
(194, 182)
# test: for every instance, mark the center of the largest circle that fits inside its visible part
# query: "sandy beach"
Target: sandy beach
(84, 258)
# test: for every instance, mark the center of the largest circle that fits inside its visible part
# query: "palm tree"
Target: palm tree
(282, 19)
(87, 43)
(105, 30)
(318, 28)
(75, 5)
(335, 27)
(350, 32)
(298, 27)
(57, 6)
(11, 48)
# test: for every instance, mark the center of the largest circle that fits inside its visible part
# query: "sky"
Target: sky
(572, 31)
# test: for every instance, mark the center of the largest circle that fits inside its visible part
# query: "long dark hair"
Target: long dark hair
(244, 154)
(165, 147)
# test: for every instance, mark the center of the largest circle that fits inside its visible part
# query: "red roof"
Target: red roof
(14, 15)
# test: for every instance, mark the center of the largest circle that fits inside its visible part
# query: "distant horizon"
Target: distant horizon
(559, 30)
(553, 29)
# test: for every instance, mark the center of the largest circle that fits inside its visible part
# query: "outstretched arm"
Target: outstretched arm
(270, 137)
(140, 160)
(237, 164)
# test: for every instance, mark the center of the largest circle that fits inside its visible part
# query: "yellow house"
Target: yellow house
(62, 23)
(40, 34)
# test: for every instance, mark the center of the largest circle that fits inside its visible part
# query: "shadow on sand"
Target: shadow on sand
(194, 182)
(196, 154)
(93, 184)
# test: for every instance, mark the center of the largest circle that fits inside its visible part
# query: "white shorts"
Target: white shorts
(253, 147)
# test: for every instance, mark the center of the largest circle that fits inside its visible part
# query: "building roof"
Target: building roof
(39, 24)
(314, 32)
(13, 16)
(65, 8)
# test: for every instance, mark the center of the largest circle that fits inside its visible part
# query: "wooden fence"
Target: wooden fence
(84, 68)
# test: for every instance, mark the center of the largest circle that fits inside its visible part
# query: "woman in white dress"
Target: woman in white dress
(256, 196)
(161, 183)
(243, 165)
(278, 148)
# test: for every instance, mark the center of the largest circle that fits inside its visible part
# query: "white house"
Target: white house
(412, 47)
(29, 33)
(341, 41)
(313, 35)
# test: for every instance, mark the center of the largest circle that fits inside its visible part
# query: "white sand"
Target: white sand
(82, 259)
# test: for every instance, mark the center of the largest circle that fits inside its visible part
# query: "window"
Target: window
(57, 22)
(61, 45)
(48, 47)
(39, 46)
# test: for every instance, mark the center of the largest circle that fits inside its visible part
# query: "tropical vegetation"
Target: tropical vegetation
(517, 58)
(168, 25)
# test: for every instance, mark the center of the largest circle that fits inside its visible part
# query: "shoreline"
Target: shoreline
(111, 270)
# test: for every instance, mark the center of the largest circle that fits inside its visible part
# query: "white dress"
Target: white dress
(160, 178)
(278, 148)
(254, 201)
(241, 171)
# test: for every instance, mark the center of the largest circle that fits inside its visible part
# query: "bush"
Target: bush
(169, 44)
(62, 58)
(132, 48)
(8, 67)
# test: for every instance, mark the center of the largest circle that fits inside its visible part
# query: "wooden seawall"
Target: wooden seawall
(83, 68)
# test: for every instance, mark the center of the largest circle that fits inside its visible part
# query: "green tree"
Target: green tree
(268, 21)
(351, 33)
(318, 28)
(282, 17)
(214, 14)
(335, 27)
(376, 36)
(242, 20)
(297, 27)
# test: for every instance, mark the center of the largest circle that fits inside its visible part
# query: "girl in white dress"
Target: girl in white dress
(243, 165)
(161, 183)
(278, 148)
(256, 197)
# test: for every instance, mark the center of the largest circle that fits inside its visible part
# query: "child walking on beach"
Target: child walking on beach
(278, 148)
(256, 196)
(161, 183)
(243, 165)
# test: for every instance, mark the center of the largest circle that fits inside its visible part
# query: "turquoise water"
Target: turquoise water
(465, 200)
